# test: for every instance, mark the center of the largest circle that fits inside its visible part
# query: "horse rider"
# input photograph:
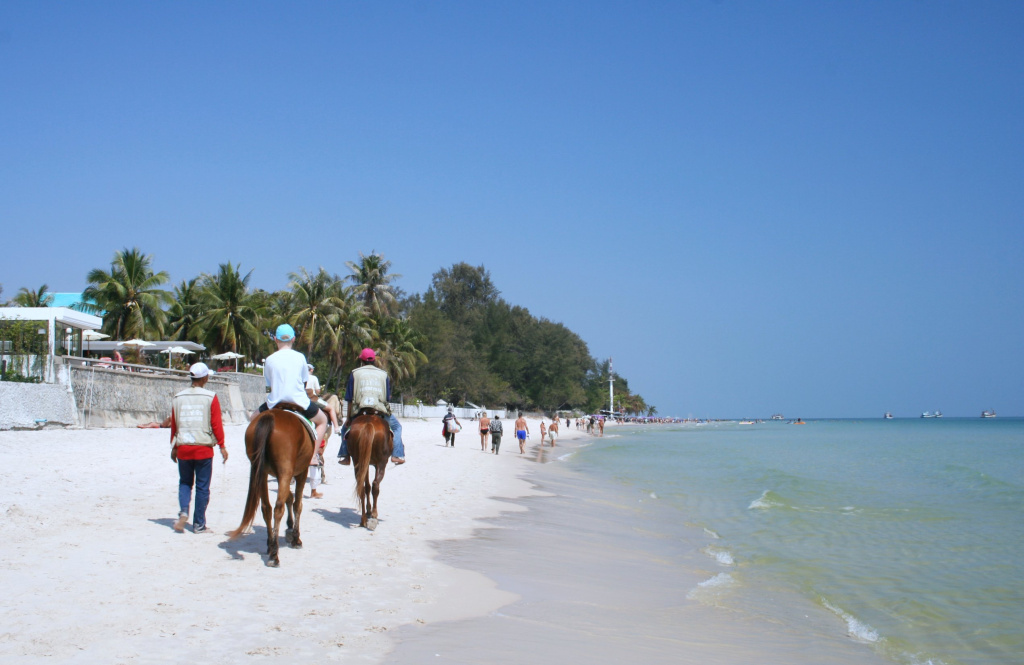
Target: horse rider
(369, 387)
(313, 391)
(286, 373)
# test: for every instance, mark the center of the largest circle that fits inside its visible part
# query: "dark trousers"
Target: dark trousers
(198, 471)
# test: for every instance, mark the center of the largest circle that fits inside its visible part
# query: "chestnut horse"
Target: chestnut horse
(369, 442)
(278, 444)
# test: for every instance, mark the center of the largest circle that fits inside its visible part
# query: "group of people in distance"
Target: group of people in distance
(196, 424)
(492, 428)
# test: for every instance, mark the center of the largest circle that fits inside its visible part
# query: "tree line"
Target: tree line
(458, 341)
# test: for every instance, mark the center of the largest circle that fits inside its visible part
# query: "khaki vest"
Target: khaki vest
(191, 409)
(370, 389)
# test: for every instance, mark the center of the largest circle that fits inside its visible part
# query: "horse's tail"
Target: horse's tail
(257, 473)
(362, 461)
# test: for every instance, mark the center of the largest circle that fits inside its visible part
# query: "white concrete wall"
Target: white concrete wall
(22, 404)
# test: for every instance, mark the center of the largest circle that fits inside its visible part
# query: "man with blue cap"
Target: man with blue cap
(286, 373)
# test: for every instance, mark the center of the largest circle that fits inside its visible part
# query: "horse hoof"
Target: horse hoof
(273, 563)
(371, 524)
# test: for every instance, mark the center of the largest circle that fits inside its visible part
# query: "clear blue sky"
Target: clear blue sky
(805, 207)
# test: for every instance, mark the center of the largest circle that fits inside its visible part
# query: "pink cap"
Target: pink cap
(367, 354)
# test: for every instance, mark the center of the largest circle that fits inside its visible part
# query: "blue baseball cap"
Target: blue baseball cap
(285, 333)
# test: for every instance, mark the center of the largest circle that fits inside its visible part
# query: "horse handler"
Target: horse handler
(196, 427)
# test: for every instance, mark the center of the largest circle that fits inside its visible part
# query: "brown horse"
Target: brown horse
(278, 444)
(369, 442)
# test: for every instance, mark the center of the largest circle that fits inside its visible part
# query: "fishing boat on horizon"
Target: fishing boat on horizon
(777, 416)
(887, 416)
(988, 413)
(926, 414)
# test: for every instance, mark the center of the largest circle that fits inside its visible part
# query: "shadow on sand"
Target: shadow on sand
(165, 521)
(253, 542)
(346, 517)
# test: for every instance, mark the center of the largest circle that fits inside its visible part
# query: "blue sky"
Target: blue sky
(805, 207)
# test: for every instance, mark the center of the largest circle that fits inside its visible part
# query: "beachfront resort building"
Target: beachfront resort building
(32, 337)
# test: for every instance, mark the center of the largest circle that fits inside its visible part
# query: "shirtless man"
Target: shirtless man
(553, 431)
(485, 427)
(543, 433)
(522, 429)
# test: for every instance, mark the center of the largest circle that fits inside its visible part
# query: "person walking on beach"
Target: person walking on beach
(196, 427)
(286, 372)
(485, 429)
(450, 425)
(496, 431)
(543, 433)
(369, 387)
(522, 429)
(553, 431)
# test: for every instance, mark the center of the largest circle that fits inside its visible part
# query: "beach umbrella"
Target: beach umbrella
(228, 355)
(137, 342)
(92, 336)
(171, 350)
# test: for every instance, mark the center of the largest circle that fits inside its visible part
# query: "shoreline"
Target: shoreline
(99, 575)
(599, 578)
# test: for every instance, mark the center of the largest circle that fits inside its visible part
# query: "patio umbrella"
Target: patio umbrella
(91, 336)
(228, 355)
(171, 350)
(138, 344)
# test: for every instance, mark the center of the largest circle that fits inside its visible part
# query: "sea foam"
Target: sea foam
(722, 556)
(709, 588)
(856, 628)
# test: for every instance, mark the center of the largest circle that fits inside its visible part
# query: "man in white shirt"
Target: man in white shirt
(286, 373)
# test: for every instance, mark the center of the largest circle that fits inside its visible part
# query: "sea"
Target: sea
(839, 541)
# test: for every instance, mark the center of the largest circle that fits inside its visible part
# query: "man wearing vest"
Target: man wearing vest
(369, 387)
(196, 427)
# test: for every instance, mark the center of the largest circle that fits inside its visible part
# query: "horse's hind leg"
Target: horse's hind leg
(295, 540)
(377, 478)
(271, 535)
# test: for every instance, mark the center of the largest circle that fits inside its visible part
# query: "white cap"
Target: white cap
(309, 367)
(199, 370)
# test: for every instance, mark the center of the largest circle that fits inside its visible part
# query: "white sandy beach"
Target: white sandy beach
(93, 572)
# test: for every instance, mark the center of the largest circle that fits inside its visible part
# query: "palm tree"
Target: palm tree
(185, 310)
(372, 283)
(29, 298)
(352, 328)
(232, 314)
(317, 299)
(128, 295)
(398, 351)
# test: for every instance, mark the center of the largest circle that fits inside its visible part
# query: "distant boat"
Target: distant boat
(777, 416)
(887, 416)
(937, 414)
(989, 413)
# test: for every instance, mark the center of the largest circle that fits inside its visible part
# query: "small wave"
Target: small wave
(653, 495)
(856, 628)
(711, 533)
(712, 586)
(722, 556)
(767, 500)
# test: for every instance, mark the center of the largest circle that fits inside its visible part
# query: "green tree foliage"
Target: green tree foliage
(185, 311)
(481, 348)
(28, 298)
(373, 284)
(231, 312)
(128, 296)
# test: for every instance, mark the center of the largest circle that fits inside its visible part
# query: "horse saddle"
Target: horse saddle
(297, 412)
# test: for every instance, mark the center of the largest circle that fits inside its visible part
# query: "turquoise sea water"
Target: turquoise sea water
(908, 532)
